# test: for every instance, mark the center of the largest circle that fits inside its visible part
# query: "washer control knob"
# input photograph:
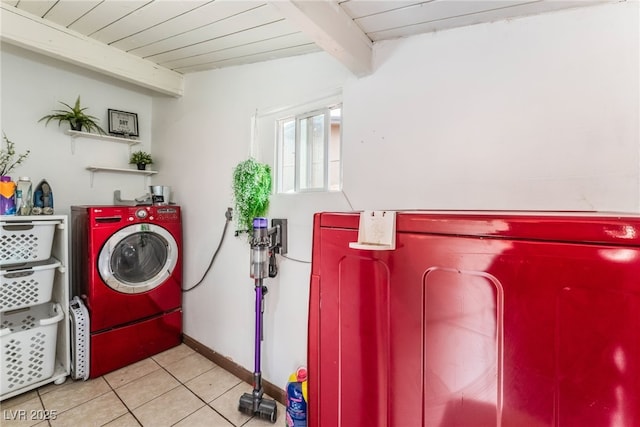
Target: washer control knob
(141, 213)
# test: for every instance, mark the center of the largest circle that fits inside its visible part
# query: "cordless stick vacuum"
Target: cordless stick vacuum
(265, 243)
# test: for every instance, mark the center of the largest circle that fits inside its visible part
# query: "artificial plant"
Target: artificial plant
(251, 190)
(76, 117)
(140, 158)
(7, 160)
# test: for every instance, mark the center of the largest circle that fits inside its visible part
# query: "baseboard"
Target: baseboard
(232, 367)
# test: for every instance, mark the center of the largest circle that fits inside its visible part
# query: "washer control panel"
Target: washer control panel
(151, 213)
(167, 213)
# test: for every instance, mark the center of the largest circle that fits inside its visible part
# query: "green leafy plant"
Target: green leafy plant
(251, 190)
(76, 117)
(140, 158)
(7, 161)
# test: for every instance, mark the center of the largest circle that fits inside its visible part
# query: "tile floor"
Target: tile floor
(178, 387)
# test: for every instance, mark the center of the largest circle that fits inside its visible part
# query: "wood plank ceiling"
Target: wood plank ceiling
(195, 35)
(172, 38)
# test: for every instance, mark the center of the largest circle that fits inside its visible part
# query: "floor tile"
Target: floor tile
(190, 367)
(17, 400)
(212, 384)
(169, 408)
(131, 372)
(53, 386)
(204, 417)
(144, 394)
(74, 394)
(95, 412)
(22, 412)
(127, 420)
(227, 404)
(147, 388)
(167, 357)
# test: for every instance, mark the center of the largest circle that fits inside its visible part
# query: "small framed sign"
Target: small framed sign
(123, 123)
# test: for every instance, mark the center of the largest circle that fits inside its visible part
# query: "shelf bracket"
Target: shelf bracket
(73, 145)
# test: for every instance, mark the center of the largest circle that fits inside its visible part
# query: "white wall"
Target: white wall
(207, 133)
(31, 87)
(532, 113)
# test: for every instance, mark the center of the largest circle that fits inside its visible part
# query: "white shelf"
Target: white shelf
(94, 169)
(76, 134)
(121, 170)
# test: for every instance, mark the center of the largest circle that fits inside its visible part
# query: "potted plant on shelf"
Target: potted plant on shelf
(251, 190)
(141, 159)
(76, 117)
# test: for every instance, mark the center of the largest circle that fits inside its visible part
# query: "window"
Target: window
(308, 151)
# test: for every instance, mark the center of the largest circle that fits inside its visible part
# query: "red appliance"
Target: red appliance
(477, 319)
(127, 267)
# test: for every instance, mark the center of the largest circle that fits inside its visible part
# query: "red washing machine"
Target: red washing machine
(127, 268)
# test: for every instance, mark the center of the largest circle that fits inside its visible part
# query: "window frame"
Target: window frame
(325, 111)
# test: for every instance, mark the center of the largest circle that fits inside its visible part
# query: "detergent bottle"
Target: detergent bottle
(297, 397)
(7, 194)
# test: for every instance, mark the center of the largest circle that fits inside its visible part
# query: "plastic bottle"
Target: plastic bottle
(24, 196)
(7, 194)
(297, 397)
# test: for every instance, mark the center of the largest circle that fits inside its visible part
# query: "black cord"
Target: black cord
(347, 199)
(296, 260)
(215, 254)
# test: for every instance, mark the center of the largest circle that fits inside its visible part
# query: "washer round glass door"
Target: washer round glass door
(138, 258)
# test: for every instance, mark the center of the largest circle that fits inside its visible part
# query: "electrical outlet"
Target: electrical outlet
(281, 248)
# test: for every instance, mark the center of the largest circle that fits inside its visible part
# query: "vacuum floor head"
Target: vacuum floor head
(265, 409)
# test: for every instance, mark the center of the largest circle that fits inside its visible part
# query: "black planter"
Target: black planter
(142, 166)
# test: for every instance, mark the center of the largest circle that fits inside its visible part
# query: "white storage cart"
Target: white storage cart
(34, 302)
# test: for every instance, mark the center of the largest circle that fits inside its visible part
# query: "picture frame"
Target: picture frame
(123, 123)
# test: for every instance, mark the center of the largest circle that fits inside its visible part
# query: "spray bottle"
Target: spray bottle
(297, 397)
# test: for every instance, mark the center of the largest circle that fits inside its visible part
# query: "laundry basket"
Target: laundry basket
(27, 241)
(26, 285)
(28, 338)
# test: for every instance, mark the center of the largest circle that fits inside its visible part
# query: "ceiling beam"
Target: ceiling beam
(34, 33)
(332, 29)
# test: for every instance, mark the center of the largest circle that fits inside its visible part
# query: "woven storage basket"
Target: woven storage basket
(27, 285)
(26, 242)
(28, 338)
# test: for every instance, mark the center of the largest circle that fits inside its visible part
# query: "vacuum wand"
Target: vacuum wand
(265, 242)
